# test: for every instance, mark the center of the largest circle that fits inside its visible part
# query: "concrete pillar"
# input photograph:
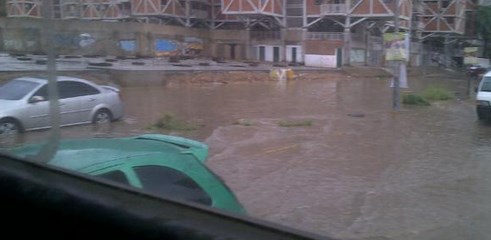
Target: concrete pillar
(367, 43)
(448, 54)
(283, 44)
(188, 13)
(304, 38)
(248, 46)
(347, 42)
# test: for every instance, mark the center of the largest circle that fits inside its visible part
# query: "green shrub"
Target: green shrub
(170, 122)
(295, 123)
(243, 122)
(431, 93)
(434, 93)
(413, 99)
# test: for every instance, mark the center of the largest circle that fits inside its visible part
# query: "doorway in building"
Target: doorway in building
(262, 53)
(276, 54)
(339, 57)
(232, 50)
(294, 55)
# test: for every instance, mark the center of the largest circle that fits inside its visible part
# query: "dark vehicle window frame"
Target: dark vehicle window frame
(68, 89)
(116, 176)
(169, 182)
(72, 89)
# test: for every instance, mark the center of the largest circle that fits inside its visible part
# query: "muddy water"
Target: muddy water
(359, 171)
(353, 169)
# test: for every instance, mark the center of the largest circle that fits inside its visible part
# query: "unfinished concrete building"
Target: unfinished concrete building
(24, 8)
(326, 33)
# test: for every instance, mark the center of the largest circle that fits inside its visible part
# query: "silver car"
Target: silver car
(24, 103)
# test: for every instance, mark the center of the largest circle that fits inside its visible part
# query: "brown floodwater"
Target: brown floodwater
(330, 156)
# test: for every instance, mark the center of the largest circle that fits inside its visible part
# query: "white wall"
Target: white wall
(269, 56)
(483, 62)
(320, 60)
(289, 51)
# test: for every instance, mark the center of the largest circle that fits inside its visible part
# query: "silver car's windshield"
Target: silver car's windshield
(17, 89)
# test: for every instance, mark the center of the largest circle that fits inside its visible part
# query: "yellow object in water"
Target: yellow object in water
(290, 74)
(282, 74)
(273, 73)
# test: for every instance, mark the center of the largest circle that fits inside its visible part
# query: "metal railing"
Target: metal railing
(199, 14)
(324, 36)
(442, 60)
(263, 35)
(327, 9)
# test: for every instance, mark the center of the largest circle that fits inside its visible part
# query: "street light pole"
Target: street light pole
(396, 88)
(49, 149)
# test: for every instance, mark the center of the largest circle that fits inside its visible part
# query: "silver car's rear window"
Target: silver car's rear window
(16, 89)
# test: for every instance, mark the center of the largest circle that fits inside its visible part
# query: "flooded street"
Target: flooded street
(351, 169)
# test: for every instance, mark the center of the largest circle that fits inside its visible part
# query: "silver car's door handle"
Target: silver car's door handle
(91, 99)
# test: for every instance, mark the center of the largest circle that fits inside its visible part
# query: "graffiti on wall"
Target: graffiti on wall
(73, 40)
(128, 45)
(191, 46)
(64, 40)
(85, 40)
(24, 40)
(166, 47)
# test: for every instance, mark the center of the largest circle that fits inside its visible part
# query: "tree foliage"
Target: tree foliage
(483, 21)
(3, 8)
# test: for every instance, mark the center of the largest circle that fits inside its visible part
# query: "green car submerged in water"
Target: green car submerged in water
(168, 166)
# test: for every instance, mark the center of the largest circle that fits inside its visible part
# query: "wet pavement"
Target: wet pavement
(352, 169)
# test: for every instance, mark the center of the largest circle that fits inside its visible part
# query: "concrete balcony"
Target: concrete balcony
(265, 35)
(333, 9)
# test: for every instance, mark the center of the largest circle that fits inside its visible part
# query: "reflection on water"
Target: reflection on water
(359, 171)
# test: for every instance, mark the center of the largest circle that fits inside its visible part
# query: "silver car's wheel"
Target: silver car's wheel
(102, 116)
(9, 127)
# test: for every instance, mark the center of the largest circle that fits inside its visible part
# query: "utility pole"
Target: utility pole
(49, 149)
(396, 92)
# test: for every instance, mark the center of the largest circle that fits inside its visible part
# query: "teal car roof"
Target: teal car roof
(98, 155)
(79, 154)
